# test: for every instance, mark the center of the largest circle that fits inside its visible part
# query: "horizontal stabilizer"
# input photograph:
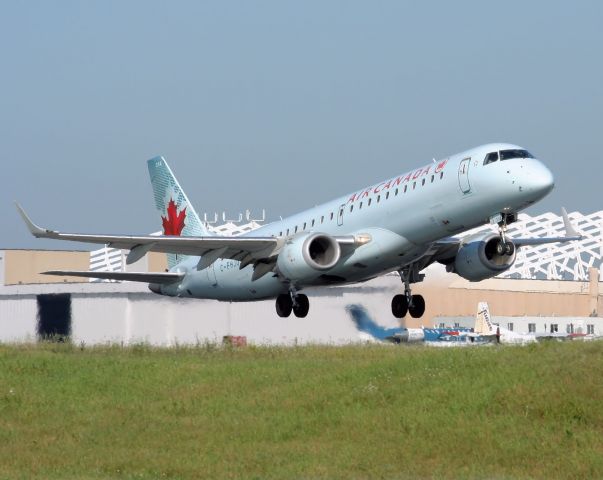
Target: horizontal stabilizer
(157, 277)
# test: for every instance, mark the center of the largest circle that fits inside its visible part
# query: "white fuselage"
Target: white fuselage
(403, 215)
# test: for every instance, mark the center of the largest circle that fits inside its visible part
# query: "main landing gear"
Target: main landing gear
(403, 304)
(407, 302)
(297, 303)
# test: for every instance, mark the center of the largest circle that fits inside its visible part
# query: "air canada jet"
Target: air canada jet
(402, 224)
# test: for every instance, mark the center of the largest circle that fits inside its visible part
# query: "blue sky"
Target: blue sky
(282, 105)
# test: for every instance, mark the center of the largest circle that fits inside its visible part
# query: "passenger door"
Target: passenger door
(464, 175)
(340, 214)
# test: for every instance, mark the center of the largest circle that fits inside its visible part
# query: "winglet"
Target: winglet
(32, 227)
(569, 229)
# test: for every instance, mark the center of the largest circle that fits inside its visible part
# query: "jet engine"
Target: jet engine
(484, 257)
(306, 256)
(408, 335)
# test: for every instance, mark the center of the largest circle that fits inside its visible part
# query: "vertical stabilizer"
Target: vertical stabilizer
(483, 322)
(178, 216)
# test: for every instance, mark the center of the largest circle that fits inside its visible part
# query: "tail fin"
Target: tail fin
(483, 322)
(177, 214)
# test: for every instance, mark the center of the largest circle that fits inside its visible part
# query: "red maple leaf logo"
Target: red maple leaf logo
(441, 165)
(174, 223)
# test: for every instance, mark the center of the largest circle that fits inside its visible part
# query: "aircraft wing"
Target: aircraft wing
(259, 251)
(447, 247)
(139, 245)
(570, 235)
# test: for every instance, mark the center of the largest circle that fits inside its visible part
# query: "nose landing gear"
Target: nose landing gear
(297, 303)
(504, 246)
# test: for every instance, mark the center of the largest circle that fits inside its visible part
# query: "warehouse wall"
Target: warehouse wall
(449, 295)
(24, 266)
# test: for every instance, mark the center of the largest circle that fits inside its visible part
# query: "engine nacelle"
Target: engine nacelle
(305, 257)
(480, 258)
(409, 335)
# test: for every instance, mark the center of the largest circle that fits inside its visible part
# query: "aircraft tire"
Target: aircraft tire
(302, 307)
(500, 247)
(509, 248)
(417, 309)
(284, 305)
(399, 306)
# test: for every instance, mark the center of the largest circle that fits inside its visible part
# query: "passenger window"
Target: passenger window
(414, 184)
(322, 219)
(441, 175)
(360, 206)
(304, 226)
(287, 232)
(378, 198)
(312, 222)
(351, 208)
(369, 202)
(432, 177)
(331, 215)
(396, 192)
(295, 228)
(405, 188)
(491, 158)
(387, 195)
(423, 182)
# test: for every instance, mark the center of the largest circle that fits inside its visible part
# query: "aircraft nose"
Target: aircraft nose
(539, 179)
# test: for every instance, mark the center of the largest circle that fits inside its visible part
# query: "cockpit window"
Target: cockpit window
(509, 154)
(491, 158)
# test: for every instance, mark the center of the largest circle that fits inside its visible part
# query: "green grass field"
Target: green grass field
(306, 412)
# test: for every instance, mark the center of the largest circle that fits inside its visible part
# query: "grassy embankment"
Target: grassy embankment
(311, 412)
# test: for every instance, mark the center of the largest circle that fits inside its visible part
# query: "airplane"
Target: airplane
(485, 328)
(402, 224)
(367, 326)
(372, 331)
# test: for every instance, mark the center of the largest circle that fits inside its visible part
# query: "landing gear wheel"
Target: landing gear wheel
(417, 306)
(302, 306)
(399, 306)
(501, 247)
(284, 305)
(509, 248)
